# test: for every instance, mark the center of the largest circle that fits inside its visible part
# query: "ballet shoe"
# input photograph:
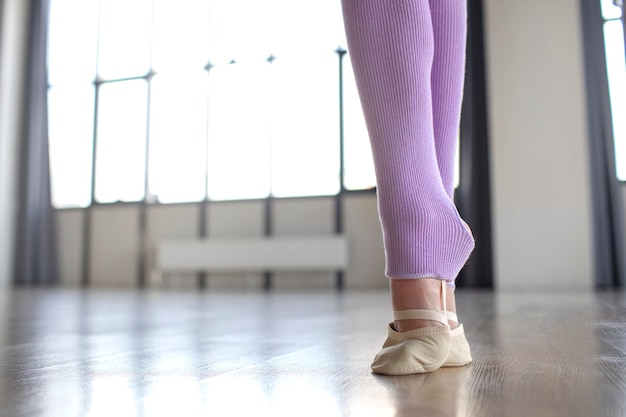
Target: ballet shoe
(460, 353)
(415, 351)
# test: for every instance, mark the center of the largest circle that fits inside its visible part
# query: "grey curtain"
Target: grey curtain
(473, 195)
(36, 258)
(608, 218)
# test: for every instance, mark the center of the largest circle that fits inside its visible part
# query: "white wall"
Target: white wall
(539, 165)
(12, 61)
(367, 255)
(114, 246)
(1, 14)
(170, 221)
(297, 216)
(70, 229)
(238, 219)
(114, 242)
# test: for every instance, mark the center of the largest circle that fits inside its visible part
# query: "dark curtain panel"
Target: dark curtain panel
(473, 194)
(36, 260)
(608, 222)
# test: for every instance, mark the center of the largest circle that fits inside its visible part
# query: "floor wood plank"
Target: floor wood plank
(69, 352)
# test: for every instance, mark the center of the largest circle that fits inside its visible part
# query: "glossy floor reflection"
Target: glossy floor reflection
(66, 352)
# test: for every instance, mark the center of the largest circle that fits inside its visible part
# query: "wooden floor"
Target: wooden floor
(68, 353)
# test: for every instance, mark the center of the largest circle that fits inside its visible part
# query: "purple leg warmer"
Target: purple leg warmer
(408, 58)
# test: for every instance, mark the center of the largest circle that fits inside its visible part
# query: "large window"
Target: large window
(182, 101)
(616, 71)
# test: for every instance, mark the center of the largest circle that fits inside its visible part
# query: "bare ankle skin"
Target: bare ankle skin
(422, 293)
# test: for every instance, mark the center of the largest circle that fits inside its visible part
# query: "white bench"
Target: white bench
(302, 253)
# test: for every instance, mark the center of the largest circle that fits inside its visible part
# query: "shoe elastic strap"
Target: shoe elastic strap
(449, 314)
(442, 317)
(452, 317)
(420, 315)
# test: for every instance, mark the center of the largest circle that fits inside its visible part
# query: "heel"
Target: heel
(460, 353)
(415, 351)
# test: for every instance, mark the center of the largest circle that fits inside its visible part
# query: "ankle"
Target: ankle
(417, 294)
(421, 293)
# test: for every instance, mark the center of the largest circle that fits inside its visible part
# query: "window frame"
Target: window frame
(98, 82)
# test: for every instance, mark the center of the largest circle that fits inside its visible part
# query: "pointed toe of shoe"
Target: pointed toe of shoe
(416, 351)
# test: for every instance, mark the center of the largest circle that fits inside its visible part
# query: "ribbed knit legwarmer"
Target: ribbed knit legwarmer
(409, 61)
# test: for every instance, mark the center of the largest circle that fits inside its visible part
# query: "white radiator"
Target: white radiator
(303, 253)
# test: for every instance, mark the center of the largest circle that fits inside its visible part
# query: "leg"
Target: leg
(391, 45)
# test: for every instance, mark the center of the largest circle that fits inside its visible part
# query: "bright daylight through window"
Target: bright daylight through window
(201, 99)
(616, 71)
